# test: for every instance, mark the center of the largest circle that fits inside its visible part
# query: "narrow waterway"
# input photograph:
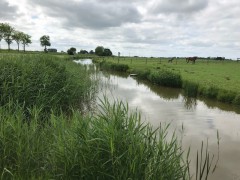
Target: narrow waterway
(200, 118)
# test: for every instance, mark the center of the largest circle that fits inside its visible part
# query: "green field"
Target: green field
(214, 79)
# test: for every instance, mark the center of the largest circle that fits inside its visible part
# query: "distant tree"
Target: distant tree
(107, 52)
(45, 41)
(83, 52)
(99, 50)
(25, 40)
(72, 51)
(17, 36)
(91, 52)
(7, 33)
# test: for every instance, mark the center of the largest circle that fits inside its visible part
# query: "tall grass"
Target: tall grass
(45, 82)
(113, 66)
(165, 78)
(114, 144)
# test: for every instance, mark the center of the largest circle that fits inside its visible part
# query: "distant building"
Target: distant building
(52, 50)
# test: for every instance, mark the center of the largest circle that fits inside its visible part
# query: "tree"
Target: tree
(45, 41)
(25, 39)
(91, 52)
(99, 50)
(72, 51)
(7, 33)
(83, 52)
(17, 36)
(107, 52)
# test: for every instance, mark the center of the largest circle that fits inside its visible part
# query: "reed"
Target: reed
(45, 82)
(114, 144)
(190, 89)
(113, 66)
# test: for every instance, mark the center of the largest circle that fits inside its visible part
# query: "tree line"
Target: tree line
(99, 50)
(10, 34)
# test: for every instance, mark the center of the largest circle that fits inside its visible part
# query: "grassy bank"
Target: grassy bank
(208, 78)
(44, 82)
(45, 135)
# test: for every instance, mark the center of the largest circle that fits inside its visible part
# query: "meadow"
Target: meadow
(208, 78)
(47, 130)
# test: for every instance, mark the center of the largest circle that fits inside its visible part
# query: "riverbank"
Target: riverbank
(217, 80)
(47, 134)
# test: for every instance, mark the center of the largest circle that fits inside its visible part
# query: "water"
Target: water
(201, 118)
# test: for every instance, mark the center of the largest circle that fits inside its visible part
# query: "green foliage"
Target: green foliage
(17, 36)
(114, 67)
(165, 78)
(237, 99)
(83, 52)
(226, 96)
(45, 41)
(190, 89)
(143, 74)
(7, 32)
(72, 51)
(107, 52)
(112, 145)
(44, 82)
(99, 50)
(26, 40)
(209, 92)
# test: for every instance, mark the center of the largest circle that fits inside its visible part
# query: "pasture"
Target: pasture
(212, 78)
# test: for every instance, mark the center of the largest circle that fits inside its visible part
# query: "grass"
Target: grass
(59, 141)
(45, 82)
(213, 79)
(111, 145)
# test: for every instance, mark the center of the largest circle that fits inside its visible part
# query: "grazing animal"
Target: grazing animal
(170, 60)
(193, 59)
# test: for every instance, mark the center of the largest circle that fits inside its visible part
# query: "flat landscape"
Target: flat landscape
(208, 75)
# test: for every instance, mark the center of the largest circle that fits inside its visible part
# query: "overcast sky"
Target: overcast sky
(133, 27)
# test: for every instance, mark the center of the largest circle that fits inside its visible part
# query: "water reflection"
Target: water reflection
(164, 92)
(83, 61)
(165, 105)
(190, 103)
(201, 118)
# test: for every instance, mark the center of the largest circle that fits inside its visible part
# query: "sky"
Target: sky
(158, 28)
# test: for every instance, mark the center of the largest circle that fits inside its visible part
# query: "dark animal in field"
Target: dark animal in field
(193, 59)
(170, 60)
